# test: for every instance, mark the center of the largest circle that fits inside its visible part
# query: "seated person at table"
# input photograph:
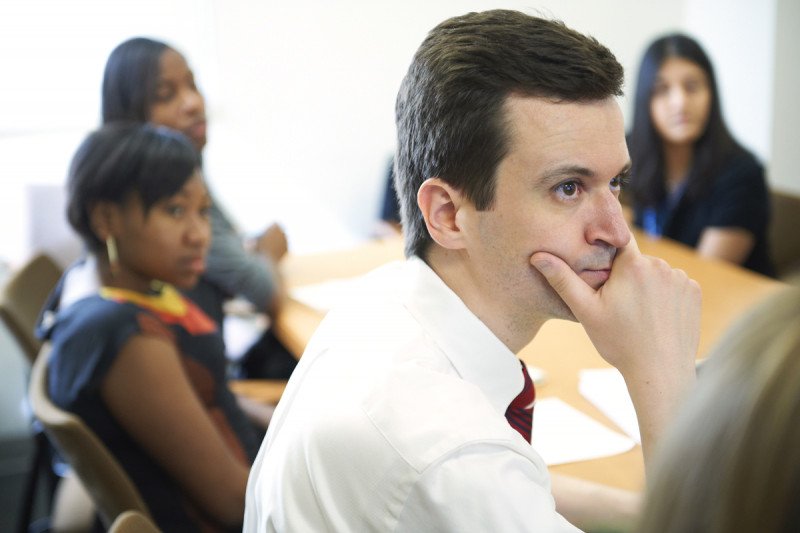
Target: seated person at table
(148, 81)
(141, 364)
(731, 462)
(691, 181)
(409, 410)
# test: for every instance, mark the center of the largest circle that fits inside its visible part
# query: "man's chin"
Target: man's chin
(558, 308)
(565, 313)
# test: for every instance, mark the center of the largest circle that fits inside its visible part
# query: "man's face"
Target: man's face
(556, 191)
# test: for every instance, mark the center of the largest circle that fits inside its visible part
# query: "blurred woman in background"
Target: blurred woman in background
(691, 181)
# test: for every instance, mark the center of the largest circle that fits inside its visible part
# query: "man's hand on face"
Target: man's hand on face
(644, 319)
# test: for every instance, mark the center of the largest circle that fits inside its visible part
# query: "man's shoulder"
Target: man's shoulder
(427, 412)
(378, 406)
(402, 396)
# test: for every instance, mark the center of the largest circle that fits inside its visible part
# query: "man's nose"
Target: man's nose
(607, 225)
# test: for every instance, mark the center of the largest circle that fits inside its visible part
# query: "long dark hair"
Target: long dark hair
(714, 147)
(130, 79)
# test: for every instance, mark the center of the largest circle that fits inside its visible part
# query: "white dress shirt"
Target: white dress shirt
(394, 421)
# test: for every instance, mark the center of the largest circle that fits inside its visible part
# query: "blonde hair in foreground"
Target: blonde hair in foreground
(732, 461)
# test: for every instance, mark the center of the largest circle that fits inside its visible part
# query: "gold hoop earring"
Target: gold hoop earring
(113, 257)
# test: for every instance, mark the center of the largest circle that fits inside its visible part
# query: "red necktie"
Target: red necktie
(520, 413)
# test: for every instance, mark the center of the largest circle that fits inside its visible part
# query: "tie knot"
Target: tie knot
(525, 399)
(520, 412)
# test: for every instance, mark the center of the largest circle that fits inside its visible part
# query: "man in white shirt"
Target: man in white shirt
(511, 152)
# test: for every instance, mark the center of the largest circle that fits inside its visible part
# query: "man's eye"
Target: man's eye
(621, 182)
(568, 188)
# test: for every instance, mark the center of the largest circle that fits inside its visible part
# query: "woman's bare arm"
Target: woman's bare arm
(728, 244)
(149, 394)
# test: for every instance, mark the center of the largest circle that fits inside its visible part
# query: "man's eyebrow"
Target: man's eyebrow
(554, 175)
(566, 171)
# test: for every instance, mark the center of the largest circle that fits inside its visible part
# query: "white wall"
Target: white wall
(52, 55)
(784, 162)
(308, 91)
(301, 94)
(739, 36)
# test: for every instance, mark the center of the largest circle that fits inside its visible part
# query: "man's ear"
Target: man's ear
(439, 203)
(105, 219)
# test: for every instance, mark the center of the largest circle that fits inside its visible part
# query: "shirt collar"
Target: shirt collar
(475, 352)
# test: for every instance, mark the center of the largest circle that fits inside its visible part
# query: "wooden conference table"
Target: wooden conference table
(561, 348)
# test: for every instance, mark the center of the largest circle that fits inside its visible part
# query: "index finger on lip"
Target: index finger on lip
(631, 247)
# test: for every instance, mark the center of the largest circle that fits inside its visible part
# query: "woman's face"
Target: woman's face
(680, 102)
(169, 242)
(178, 103)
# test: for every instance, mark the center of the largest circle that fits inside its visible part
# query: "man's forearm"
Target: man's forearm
(657, 399)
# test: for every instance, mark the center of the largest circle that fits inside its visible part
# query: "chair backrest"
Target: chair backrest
(111, 489)
(783, 232)
(133, 522)
(22, 299)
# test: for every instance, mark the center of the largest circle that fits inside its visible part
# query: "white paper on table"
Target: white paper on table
(562, 434)
(328, 294)
(605, 388)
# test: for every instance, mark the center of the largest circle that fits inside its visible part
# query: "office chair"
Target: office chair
(23, 297)
(784, 243)
(111, 489)
(21, 300)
